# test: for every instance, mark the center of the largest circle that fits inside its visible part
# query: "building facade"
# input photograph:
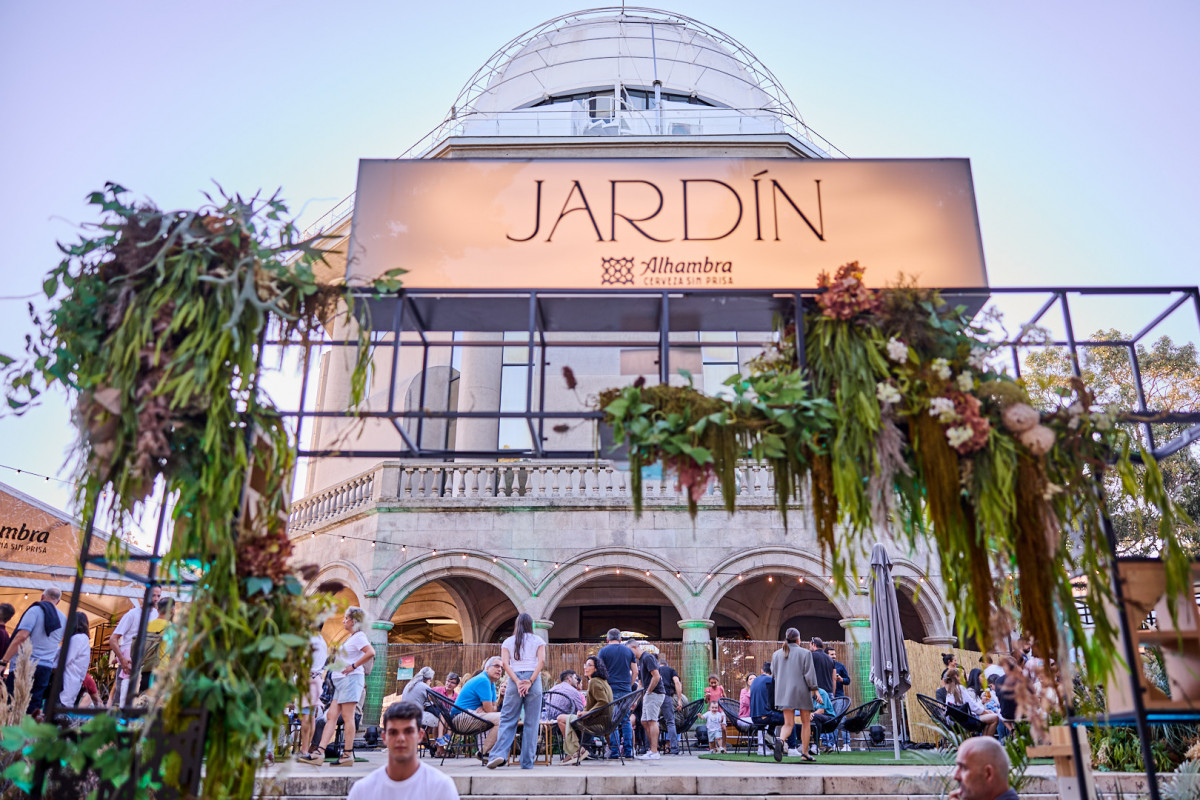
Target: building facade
(451, 549)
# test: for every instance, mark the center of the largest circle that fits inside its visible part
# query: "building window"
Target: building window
(718, 362)
(515, 369)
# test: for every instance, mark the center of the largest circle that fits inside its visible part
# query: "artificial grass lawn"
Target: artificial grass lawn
(866, 757)
(881, 758)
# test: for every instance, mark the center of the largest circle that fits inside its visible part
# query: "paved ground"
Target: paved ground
(681, 776)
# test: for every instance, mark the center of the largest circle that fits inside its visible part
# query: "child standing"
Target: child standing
(714, 691)
(714, 724)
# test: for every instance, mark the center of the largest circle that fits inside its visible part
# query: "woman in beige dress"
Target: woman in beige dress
(795, 678)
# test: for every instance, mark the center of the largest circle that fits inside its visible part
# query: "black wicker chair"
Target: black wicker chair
(464, 726)
(685, 718)
(602, 722)
(745, 727)
(857, 720)
(954, 721)
(554, 704)
(823, 724)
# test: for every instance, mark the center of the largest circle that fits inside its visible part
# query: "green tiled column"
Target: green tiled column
(378, 680)
(697, 656)
(858, 637)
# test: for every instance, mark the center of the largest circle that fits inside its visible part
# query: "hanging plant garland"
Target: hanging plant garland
(155, 326)
(918, 434)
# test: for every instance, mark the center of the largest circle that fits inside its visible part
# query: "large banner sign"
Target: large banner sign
(662, 223)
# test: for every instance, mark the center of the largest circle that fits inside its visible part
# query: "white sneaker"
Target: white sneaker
(793, 752)
(845, 748)
(653, 756)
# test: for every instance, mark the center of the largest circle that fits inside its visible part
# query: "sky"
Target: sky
(1079, 118)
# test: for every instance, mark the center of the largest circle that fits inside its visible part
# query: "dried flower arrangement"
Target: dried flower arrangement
(156, 327)
(902, 422)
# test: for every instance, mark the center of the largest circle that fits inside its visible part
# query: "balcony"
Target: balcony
(491, 484)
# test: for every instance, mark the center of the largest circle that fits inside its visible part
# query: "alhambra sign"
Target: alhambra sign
(663, 223)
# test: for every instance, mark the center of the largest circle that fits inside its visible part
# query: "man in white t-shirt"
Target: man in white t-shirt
(404, 775)
(122, 639)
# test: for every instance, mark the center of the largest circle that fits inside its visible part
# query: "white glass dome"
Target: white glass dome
(622, 71)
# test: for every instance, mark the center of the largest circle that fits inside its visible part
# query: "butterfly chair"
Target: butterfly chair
(954, 721)
(857, 720)
(823, 724)
(464, 727)
(685, 718)
(746, 728)
(604, 721)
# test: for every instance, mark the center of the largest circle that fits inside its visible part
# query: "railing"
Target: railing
(333, 502)
(543, 482)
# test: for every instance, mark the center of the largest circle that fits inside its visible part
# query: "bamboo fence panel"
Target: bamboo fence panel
(925, 671)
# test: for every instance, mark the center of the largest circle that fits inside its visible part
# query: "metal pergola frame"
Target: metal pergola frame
(434, 318)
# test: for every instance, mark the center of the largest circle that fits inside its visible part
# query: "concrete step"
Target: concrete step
(683, 779)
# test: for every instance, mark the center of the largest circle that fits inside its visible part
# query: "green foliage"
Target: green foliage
(97, 751)
(907, 426)
(155, 326)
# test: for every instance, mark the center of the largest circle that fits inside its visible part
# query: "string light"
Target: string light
(800, 579)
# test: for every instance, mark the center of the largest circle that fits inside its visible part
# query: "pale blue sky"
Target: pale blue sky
(1080, 118)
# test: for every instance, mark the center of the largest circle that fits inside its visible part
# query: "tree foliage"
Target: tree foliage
(1170, 377)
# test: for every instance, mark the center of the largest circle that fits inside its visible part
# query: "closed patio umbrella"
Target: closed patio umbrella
(889, 659)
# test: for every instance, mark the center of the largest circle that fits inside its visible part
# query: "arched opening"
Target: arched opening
(452, 609)
(765, 606)
(343, 598)
(607, 601)
(911, 624)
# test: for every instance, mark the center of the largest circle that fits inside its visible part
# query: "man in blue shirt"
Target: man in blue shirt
(43, 625)
(619, 660)
(762, 704)
(479, 696)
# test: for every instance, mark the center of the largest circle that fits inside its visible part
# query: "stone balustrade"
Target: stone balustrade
(522, 483)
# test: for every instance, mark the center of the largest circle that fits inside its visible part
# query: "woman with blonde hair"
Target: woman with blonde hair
(349, 680)
(795, 679)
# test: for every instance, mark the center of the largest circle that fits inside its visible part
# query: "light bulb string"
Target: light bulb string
(589, 567)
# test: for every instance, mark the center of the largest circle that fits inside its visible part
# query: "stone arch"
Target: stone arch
(924, 595)
(766, 562)
(455, 576)
(417, 572)
(573, 574)
(346, 573)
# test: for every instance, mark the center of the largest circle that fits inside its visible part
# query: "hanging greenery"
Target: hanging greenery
(906, 426)
(155, 328)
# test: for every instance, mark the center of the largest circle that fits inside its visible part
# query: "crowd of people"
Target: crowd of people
(989, 690)
(53, 639)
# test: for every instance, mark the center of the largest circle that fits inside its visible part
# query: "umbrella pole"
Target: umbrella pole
(895, 729)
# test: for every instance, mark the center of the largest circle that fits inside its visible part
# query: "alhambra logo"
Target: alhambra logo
(616, 271)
